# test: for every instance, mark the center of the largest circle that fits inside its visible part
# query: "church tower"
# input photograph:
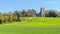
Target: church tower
(42, 12)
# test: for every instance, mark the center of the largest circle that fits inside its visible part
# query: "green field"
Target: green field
(37, 25)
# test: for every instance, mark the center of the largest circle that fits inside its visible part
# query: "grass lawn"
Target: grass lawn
(35, 26)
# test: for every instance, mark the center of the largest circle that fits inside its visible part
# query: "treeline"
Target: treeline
(15, 16)
(52, 13)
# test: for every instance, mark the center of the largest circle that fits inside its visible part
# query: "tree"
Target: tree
(5, 16)
(24, 13)
(47, 13)
(10, 16)
(58, 14)
(18, 16)
(1, 18)
(31, 12)
(52, 13)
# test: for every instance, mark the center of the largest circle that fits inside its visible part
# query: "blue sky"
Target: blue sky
(12, 5)
(51, 4)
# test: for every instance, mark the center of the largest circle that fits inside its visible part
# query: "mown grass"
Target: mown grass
(32, 26)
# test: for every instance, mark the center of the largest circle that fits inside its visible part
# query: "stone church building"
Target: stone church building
(42, 12)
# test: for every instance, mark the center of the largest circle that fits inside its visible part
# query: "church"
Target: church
(42, 12)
